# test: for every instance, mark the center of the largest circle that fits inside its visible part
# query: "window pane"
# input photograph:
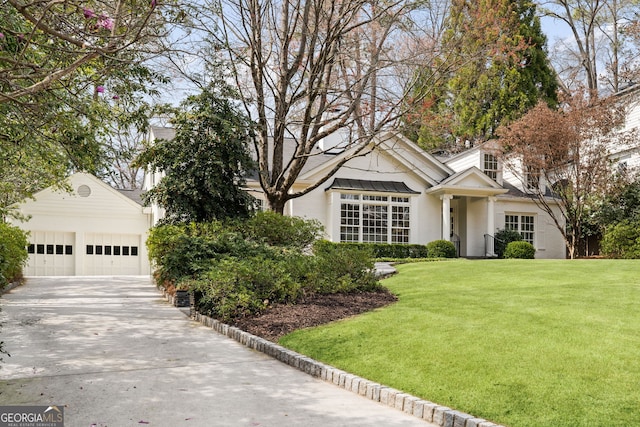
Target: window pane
(374, 224)
(89, 249)
(511, 222)
(31, 249)
(59, 250)
(116, 250)
(349, 222)
(68, 250)
(490, 166)
(527, 228)
(49, 249)
(134, 251)
(98, 249)
(40, 249)
(125, 250)
(107, 250)
(400, 224)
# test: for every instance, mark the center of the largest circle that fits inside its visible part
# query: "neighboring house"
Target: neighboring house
(93, 230)
(625, 152)
(401, 194)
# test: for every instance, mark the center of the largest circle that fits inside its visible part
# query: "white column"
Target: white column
(491, 223)
(446, 216)
(491, 215)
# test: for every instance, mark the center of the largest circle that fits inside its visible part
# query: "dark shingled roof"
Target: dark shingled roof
(378, 186)
(135, 195)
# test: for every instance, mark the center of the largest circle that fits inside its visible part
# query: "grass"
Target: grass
(519, 342)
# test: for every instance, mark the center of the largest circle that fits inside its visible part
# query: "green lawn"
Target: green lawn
(519, 342)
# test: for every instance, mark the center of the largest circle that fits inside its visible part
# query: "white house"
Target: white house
(401, 194)
(92, 230)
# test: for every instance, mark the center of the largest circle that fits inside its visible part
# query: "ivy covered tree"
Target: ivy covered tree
(504, 71)
(206, 163)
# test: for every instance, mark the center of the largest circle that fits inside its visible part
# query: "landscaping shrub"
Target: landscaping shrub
(503, 238)
(280, 230)
(622, 240)
(232, 287)
(238, 268)
(391, 250)
(441, 249)
(341, 268)
(520, 249)
(13, 253)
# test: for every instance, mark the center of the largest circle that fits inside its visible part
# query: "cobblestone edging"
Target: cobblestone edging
(423, 409)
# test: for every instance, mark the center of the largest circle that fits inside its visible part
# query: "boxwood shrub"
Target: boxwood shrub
(520, 249)
(441, 249)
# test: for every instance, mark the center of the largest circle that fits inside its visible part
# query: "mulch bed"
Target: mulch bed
(312, 310)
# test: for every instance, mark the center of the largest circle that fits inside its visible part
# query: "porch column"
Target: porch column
(446, 216)
(491, 215)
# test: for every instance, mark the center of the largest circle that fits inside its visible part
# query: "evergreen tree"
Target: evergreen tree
(504, 71)
(205, 163)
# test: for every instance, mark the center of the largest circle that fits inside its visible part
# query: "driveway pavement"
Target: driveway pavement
(115, 353)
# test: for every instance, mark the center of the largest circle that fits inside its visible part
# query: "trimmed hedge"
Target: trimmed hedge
(520, 249)
(441, 249)
(13, 253)
(390, 250)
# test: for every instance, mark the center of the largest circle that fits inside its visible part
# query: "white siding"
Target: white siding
(102, 210)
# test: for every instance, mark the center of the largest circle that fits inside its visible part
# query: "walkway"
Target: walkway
(116, 354)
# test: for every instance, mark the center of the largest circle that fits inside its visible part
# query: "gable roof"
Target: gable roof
(469, 182)
(411, 157)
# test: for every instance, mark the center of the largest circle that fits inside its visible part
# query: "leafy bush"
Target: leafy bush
(391, 250)
(341, 268)
(232, 287)
(237, 268)
(520, 249)
(281, 230)
(441, 249)
(622, 240)
(13, 253)
(503, 238)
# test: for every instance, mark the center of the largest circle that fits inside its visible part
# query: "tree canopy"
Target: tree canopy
(206, 163)
(63, 66)
(562, 159)
(504, 71)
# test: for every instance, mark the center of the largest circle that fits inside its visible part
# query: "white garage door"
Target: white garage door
(51, 253)
(112, 254)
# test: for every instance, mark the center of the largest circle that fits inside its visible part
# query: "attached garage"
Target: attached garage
(94, 230)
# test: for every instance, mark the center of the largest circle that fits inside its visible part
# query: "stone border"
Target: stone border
(423, 409)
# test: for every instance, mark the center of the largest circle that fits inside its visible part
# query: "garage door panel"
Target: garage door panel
(51, 253)
(112, 254)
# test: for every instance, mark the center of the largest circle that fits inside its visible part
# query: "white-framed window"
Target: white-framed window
(374, 218)
(490, 166)
(523, 224)
(532, 178)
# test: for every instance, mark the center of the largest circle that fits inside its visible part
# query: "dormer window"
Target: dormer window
(490, 166)
(532, 178)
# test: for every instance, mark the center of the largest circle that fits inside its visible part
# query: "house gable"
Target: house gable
(89, 197)
(470, 182)
(391, 156)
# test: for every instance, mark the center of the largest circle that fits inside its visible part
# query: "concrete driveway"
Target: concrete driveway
(115, 353)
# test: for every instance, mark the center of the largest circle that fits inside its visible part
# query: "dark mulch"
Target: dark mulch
(313, 310)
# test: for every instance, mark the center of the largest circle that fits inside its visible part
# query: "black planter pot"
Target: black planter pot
(181, 299)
